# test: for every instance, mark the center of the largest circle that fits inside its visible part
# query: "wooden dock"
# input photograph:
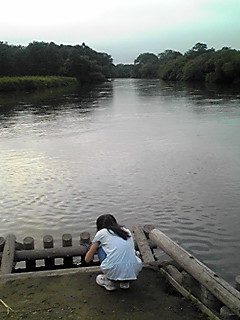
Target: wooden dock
(186, 274)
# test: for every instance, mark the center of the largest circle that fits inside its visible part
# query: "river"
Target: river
(143, 150)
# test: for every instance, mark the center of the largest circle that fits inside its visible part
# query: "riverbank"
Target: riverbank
(8, 84)
(76, 296)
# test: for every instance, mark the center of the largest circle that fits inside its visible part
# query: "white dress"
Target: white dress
(121, 263)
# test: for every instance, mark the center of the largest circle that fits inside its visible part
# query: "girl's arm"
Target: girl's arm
(91, 252)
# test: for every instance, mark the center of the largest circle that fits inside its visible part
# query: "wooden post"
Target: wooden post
(142, 242)
(85, 241)
(2, 242)
(67, 242)
(85, 238)
(217, 286)
(8, 254)
(47, 244)
(210, 300)
(28, 243)
(147, 228)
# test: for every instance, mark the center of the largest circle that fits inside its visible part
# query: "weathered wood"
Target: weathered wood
(28, 243)
(48, 244)
(237, 283)
(142, 242)
(51, 253)
(147, 228)
(48, 241)
(150, 244)
(53, 273)
(85, 241)
(191, 284)
(85, 238)
(48, 273)
(210, 300)
(8, 254)
(218, 287)
(2, 242)
(173, 271)
(189, 296)
(67, 242)
(227, 314)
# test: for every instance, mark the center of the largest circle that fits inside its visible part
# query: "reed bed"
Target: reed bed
(34, 82)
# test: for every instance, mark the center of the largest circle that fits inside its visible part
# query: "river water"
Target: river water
(146, 151)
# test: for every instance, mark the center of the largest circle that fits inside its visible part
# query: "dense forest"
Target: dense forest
(80, 61)
(198, 64)
(49, 59)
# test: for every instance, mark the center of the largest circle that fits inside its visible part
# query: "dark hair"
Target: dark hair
(110, 223)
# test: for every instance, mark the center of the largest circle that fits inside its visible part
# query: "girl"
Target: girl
(116, 252)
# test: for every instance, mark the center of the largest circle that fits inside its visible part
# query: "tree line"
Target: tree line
(198, 64)
(50, 59)
(87, 65)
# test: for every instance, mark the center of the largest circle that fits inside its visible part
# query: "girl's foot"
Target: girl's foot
(103, 281)
(124, 285)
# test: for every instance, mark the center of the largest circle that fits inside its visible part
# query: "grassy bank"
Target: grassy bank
(32, 83)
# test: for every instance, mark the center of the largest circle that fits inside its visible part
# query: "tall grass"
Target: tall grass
(33, 83)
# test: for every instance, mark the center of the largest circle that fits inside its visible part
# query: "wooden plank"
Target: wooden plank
(217, 286)
(8, 254)
(189, 296)
(142, 243)
(53, 273)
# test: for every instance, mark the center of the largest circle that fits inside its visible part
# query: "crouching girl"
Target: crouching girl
(116, 252)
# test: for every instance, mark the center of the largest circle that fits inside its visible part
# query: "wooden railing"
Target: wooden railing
(13, 252)
(213, 295)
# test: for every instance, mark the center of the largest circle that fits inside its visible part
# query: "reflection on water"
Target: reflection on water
(144, 150)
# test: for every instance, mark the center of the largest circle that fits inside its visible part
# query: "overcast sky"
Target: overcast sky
(125, 28)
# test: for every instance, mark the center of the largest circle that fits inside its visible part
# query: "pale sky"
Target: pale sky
(125, 28)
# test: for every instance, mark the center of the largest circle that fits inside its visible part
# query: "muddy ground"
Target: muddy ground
(78, 297)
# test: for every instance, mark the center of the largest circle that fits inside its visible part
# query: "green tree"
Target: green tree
(83, 68)
(6, 59)
(168, 55)
(123, 70)
(173, 70)
(198, 49)
(146, 65)
(226, 66)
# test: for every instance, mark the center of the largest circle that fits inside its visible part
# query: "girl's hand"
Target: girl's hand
(90, 254)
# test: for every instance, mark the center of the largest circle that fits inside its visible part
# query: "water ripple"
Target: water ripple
(148, 153)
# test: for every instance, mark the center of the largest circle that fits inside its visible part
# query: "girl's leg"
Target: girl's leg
(101, 254)
(102, 279)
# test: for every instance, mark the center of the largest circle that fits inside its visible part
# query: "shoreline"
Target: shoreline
(10, 84)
